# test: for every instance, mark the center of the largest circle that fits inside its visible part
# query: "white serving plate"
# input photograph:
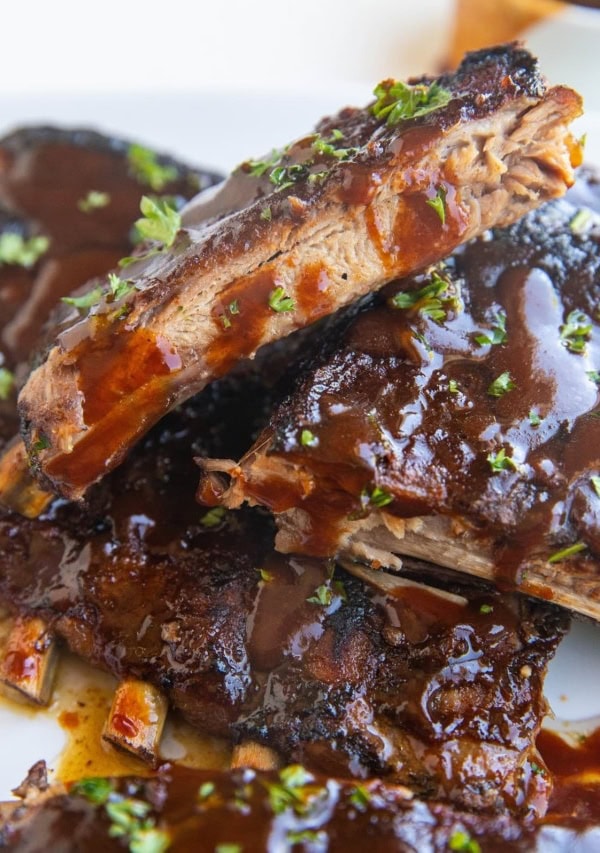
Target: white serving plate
(219, 130)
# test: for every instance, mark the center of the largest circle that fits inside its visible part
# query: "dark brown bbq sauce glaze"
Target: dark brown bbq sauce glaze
(245, 810)
(405, 404)
(45, 173)
(575, 769)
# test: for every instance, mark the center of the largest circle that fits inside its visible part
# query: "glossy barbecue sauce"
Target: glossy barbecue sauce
(412, 403)
(259, 214)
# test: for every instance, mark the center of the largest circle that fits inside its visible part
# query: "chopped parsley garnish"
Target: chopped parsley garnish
(266, 576)
(213, 517)
(266, 213)
(497, 334)
(257, 168)
(453, 386)
(206, 790)
(594, 375)
(324, 594)
(294, 791)
(308, 439)
(315, 177)
(576, 331)
(286, 176)
(433, 300)
(486, 608)
(228, 848)
(397, 101)
(94, 790)
(94, 200)
(534, 418)
(234, 307)
(92, 297)
(378, 497)
(144, 165)
(310, 836)
(119, 287)
(160, 222)
(565, 553)
(327, 148)
(7, 383)
(15, 249)
(582, 221)
(596, 484)
(536, 769)
(439, 204)
(501, 462)
(280, 302)
(502, 385)
(360, 797)
(461, 842)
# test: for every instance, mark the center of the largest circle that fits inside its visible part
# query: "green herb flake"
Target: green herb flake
(257, 168)
(439, 204)
(144, 165)
(380, 498)
(234, 307)
(534, 418)
(501, 462)
(15, 249)
(576, 331)
(308, 439)
(160, 221)
(502, 385)
(206, 790)
(228, 848)
(149, 840)
(360, 798)
(42, 443)
(565, 553)
(266, 213)
(461, 842)
(486, 608)
(536, 769)
(582, 221)
(595, 481)
(7, 383)
(266, 576)
(213, 517)
(286, 176)
(82, 303)
(497, 334)
(94, 790)
(317, 177)
(119, 287)
(398, 101)
(433, 300)
(94, 200)
(280, 302)
(307, 836)
(225, 321)
(594, 375)
(327, 148)
(453, 386)
(323, 595)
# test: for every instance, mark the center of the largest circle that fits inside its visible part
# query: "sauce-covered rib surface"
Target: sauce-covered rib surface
(370, 195)
(456, 419)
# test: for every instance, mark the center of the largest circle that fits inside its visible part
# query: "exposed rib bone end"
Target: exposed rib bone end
(30, 658)
(256, 756)
(136, 720)
(18, 489)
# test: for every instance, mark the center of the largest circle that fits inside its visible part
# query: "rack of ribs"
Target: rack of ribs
(435, 686)
(455, 419)
(371, 195)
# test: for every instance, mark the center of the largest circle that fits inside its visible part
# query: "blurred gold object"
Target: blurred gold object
(482, 23)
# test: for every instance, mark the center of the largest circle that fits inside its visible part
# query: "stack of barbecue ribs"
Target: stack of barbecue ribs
(308, 466)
